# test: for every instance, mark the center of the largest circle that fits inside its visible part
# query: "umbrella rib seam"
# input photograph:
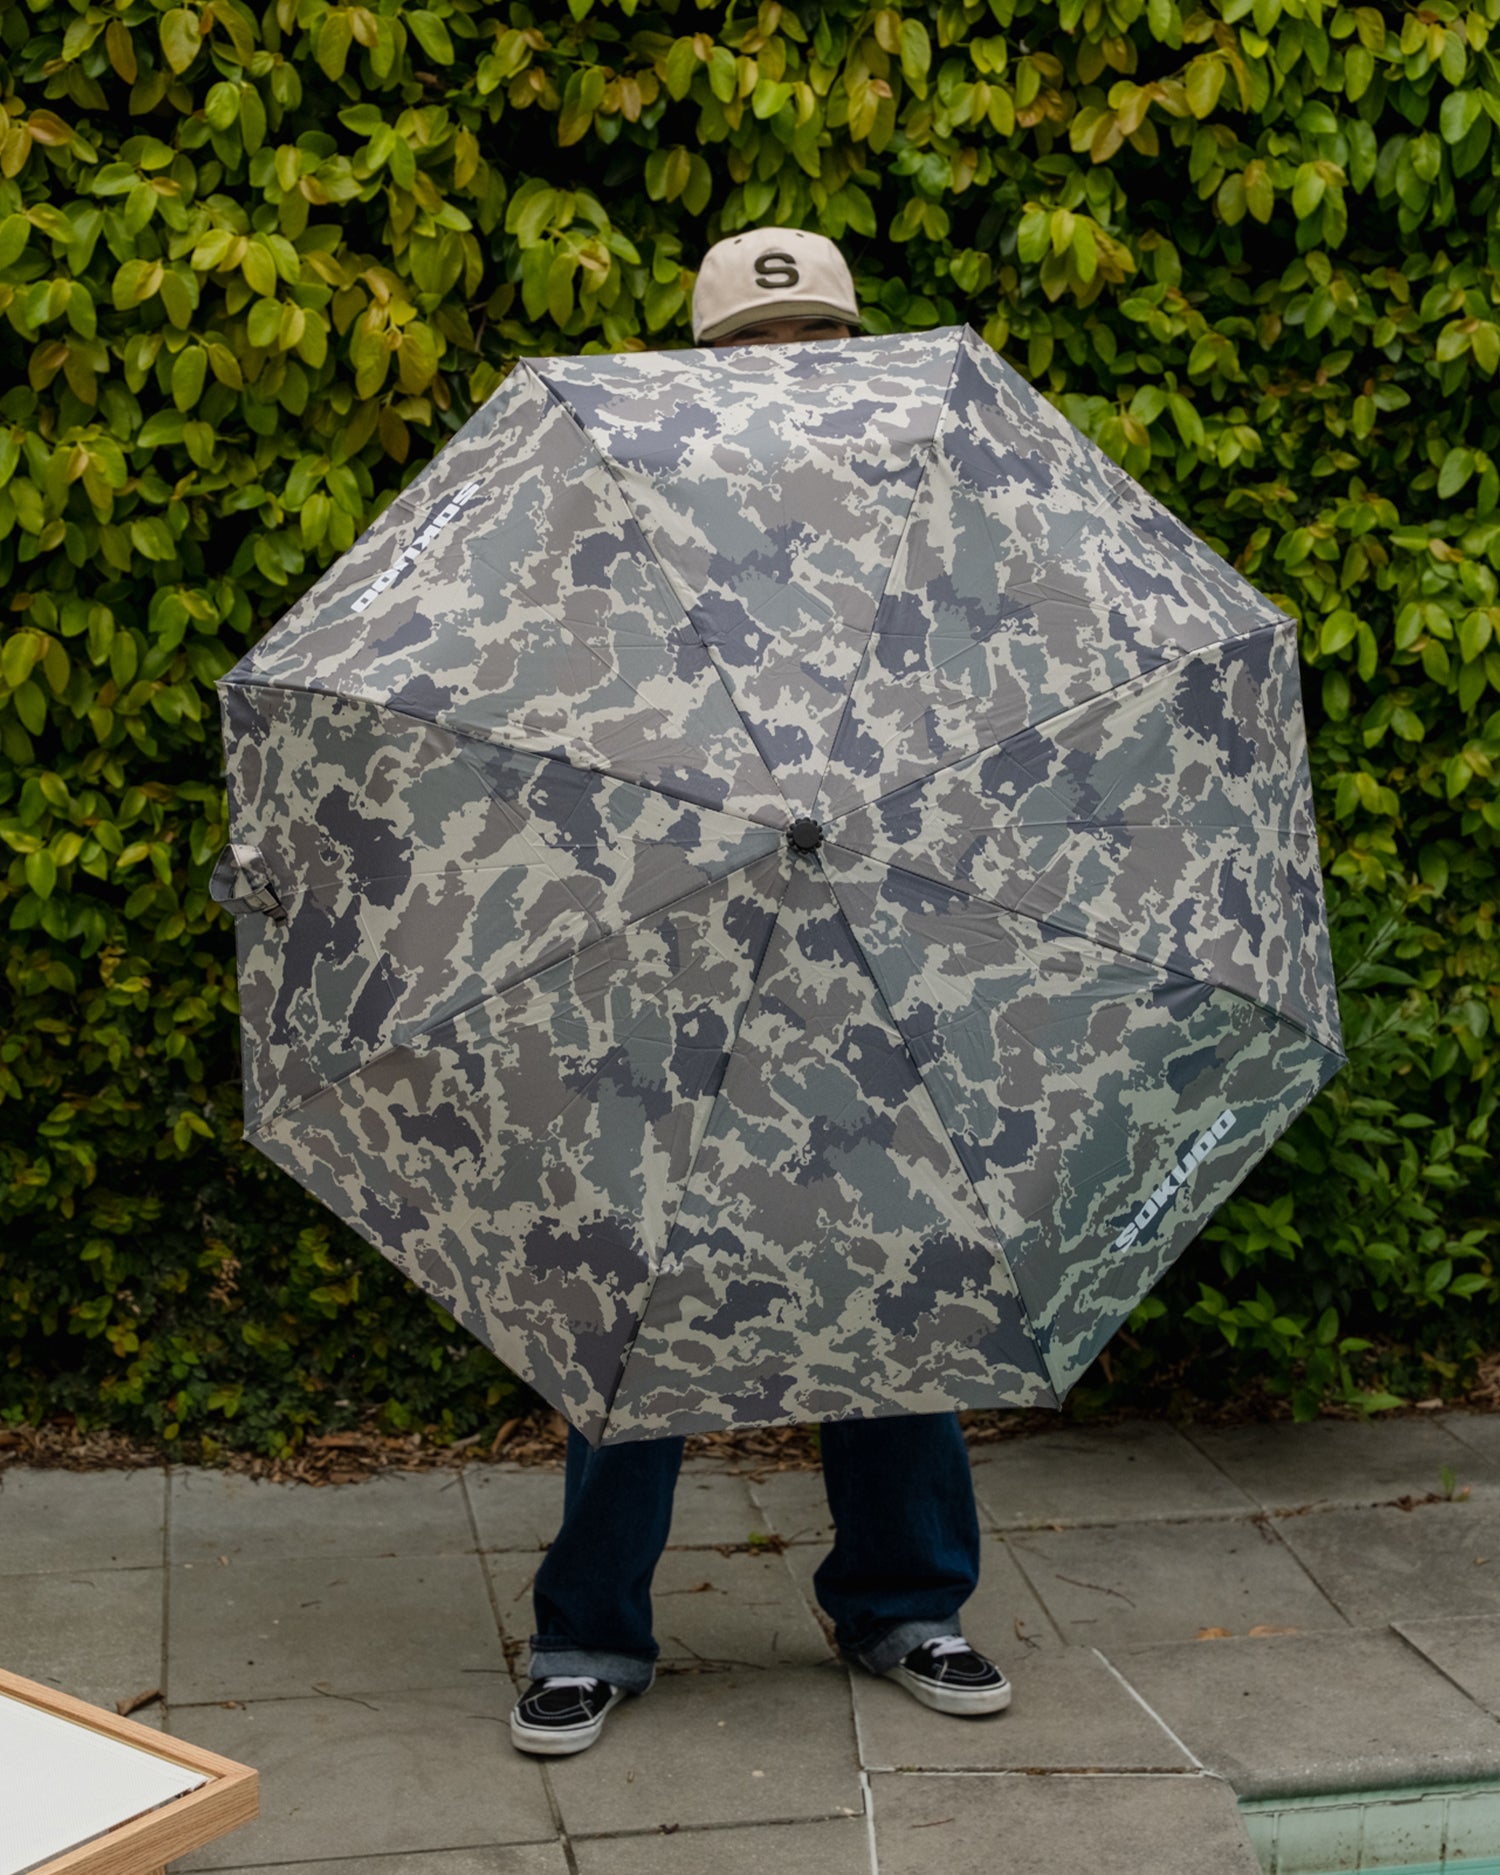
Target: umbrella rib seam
(520, 828)
(687, 1182)
(1141, 678)
(389, 708)
(576, 632)
(911, 507)
(1115, 950)
(612, 472)
(984, 1209)
(606, 934)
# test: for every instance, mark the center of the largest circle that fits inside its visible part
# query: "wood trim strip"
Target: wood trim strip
(145, 1844)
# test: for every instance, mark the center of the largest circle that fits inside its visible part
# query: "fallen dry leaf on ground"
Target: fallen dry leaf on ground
(538, 1439)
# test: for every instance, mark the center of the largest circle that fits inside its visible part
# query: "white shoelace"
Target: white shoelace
(587, 1682)
(947, 1644)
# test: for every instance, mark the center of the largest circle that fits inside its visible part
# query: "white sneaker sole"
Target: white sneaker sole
(551, 1741)
(972, 1703)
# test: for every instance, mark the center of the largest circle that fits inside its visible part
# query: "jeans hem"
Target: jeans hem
(893, 1647)
(624, 1670)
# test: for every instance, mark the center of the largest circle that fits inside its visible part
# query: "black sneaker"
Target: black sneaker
(559, 1714)
(947, 1674)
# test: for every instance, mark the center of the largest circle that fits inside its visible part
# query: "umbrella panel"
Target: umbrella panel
(1030, 577)
(521, 1159)
(1171, 819)
(829, 1255)
(421, 871)
(774, 495)
(1072, 1079)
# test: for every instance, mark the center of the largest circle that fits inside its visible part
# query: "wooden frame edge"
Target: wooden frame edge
(230, 1797)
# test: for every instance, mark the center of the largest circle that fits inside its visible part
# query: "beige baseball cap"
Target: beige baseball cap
(771, 273)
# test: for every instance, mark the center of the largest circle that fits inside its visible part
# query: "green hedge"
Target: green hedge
(256, 266)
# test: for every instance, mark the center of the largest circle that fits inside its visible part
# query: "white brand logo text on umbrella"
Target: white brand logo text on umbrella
(1173, 1183)
(416, 548)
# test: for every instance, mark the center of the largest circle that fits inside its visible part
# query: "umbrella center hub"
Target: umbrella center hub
(804, 835)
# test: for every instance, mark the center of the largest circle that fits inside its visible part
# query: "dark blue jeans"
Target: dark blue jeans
(905, 1555)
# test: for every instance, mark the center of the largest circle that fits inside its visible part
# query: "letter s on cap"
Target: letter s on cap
(774, 269)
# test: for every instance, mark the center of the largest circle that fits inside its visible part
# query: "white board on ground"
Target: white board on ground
(61, 1784)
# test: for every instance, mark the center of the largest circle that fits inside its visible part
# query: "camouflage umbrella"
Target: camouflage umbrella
(776, 884)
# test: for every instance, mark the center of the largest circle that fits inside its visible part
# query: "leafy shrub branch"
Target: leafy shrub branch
(256, 264)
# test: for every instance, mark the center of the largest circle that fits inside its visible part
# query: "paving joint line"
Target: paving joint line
(102, 1569)
(1040, 1600)
(712, 1829)
(1427, 1660)
(1036, 1771)
(868, 1794)
(1276, 1537)
(1146, 1706)
(367, 1855)
(1461, 1440)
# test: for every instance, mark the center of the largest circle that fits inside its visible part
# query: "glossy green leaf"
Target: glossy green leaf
(181, 36)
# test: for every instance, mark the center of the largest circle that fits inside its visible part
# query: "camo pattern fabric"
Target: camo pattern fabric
(774, 498)
(433, 870)
(693, 1127)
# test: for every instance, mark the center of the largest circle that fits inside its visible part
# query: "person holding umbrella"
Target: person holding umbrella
(554, 989)
(905, 1555)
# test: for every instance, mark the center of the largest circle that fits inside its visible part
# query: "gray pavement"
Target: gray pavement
(1274, 1614)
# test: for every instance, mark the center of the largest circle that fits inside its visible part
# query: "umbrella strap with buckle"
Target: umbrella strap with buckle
(241, 883)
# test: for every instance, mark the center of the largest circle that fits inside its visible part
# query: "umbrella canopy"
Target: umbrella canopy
(776, 884)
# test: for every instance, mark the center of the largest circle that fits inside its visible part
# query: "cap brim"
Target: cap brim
(762, 314)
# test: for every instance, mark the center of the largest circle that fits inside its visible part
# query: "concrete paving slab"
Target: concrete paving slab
(794, 1505)
(738, 1608)
(1308, 1713)
(515, 1506)
(713, 1507)
(1384, 1565)
(718, 1748)
(73, 1520)
(400, 1513)
(1069, 1712)
(1466, 1648)
(841, 1847)
(1002, 1617)
(537, 1858)
(520, 1509)
(975, 1825)
(509, 1574)
(349, 1624)
(372, 1776)
(1136, 1583)
(1332, 1462)
(1479, 1431)
(711, 1612)
(1140, 1471)
(95, 1635)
